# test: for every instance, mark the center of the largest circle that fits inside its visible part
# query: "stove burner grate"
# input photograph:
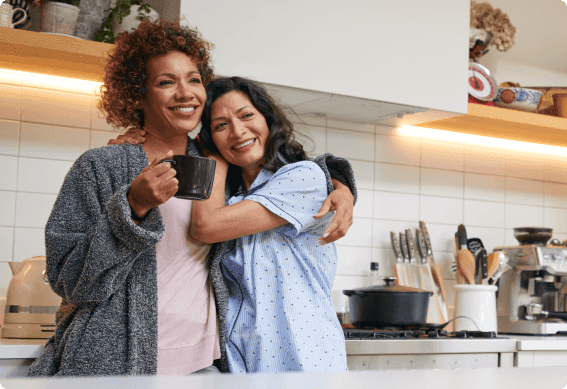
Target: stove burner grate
(373, 333)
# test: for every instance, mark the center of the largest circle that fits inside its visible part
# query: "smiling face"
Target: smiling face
(239, 131)
(175, 96)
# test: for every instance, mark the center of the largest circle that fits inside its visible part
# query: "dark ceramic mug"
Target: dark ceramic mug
(195, 176)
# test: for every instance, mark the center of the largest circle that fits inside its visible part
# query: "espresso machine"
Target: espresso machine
(532, 296)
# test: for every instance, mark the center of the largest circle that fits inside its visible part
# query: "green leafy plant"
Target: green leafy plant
(106, 31)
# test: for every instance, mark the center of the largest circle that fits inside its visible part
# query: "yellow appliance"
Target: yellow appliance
(30, 302)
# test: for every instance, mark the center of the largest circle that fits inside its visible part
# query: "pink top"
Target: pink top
(188, 337)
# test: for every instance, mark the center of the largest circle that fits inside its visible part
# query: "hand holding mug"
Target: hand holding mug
(153, 186)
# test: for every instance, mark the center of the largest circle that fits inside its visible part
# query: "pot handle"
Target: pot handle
(557, 315)
(359, 293)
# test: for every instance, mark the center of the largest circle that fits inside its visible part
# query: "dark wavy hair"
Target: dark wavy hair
(281, 139)
(125, 71)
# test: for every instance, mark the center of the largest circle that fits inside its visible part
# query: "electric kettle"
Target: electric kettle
(30, 302)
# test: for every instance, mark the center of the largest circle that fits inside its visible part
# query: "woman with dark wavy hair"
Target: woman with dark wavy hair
(280, 315)
(140, 296)
(281, 139)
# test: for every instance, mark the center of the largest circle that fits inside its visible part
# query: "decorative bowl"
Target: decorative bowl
(521, 99)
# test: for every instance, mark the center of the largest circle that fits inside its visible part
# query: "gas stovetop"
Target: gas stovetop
(423, 333)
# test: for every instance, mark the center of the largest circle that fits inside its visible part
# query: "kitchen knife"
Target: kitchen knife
(437, 275)
(483, 264)
(415, 271)
(435, 270)
(428, 284)
(400, 260)
(407, 265)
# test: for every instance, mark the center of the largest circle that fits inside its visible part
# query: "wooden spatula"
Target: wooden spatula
(465, 259)
(493, 263)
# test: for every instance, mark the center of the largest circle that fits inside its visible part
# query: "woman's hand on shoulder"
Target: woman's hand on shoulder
(133, 136)
(340, 200)
(153, 186)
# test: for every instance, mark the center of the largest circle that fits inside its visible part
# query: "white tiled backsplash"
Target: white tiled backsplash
(401, 180)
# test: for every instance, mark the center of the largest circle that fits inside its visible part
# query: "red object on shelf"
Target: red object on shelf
(477, 101)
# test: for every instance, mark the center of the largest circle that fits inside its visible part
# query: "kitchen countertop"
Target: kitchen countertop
(517, 378)
(32, 348)
(21, 348)
(541, 343)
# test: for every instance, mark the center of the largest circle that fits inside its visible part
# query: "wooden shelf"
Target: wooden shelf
(55, 55)
(506, 124)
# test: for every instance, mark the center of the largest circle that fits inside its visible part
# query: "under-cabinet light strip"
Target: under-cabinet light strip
(48, 81)
(478, 140)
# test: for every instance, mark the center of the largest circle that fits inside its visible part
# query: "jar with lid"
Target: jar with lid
(375, 274)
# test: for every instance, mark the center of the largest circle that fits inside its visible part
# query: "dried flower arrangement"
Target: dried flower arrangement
(484, 16)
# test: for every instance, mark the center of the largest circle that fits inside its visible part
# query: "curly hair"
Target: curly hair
(485, 17)
(281, 139)
(125, 71)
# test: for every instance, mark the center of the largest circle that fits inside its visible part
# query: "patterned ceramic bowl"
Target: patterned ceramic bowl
(521, 99)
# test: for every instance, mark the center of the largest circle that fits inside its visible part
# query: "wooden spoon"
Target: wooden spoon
(465, 260)
(493, 263)
(466, 265)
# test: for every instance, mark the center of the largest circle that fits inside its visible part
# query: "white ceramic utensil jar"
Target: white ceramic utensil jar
(477, 302)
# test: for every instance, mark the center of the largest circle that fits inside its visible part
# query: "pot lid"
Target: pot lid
(390, 288)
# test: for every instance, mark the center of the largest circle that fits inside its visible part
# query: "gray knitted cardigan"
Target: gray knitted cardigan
(104, 267)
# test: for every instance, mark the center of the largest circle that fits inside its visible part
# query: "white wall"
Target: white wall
(401, 180)
(539, 56)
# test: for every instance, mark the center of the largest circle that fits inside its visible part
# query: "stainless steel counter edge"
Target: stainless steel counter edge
(541, 343)
(430, 346)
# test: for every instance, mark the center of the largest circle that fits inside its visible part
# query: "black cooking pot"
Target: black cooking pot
(385, 306)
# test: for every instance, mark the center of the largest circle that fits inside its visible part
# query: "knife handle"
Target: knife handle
(396, 246)
(421, 245)
(484, 264)
(404, 245)
(426, 238)
(411, 244)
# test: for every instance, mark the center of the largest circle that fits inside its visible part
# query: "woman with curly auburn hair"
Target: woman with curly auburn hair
(140, 296)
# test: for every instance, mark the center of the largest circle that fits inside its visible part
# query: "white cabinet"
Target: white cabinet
(365, 59)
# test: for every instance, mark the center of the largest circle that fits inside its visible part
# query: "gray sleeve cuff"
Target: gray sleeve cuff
(338, 168)
(135, 237)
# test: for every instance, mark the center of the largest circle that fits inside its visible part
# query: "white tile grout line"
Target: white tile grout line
(17, 177)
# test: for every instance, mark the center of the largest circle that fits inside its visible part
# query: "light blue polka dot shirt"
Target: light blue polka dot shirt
(280, 314)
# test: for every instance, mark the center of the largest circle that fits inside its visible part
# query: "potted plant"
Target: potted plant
(58, 16)
(125, 16)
